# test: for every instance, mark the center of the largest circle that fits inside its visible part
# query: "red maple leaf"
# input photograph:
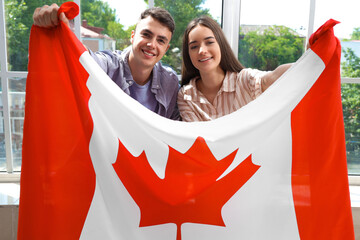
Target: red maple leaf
(189, 192)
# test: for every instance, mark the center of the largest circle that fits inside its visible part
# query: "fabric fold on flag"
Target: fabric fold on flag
(57, 177)
(99, 165)
(319, 170)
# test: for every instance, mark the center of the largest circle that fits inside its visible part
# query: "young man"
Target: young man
(136, 69)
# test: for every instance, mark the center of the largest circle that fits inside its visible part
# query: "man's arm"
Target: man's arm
(46, 16)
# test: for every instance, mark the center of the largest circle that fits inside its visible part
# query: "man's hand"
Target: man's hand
(46, 16)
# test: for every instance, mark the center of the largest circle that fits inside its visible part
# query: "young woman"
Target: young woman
(214, 83)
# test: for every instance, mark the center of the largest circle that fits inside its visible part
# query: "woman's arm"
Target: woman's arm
(272, 76)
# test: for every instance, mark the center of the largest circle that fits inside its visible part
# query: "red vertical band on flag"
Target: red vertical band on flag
(57, 177)
(319, 172)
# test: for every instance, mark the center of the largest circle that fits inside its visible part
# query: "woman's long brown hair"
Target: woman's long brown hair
(228, 60)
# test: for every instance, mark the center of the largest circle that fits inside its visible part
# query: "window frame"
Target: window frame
(230, 25)
(232, 30)
(5, 76)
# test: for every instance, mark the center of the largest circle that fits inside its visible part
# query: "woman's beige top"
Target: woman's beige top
(237, 90)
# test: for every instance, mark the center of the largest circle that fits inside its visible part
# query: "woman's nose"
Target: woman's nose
(202, 49)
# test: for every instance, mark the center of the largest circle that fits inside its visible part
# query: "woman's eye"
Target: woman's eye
(193, 47)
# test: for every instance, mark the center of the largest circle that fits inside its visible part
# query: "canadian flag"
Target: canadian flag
(98, 165)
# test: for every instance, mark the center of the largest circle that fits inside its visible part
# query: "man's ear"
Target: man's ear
(132, 36)
(168, 47)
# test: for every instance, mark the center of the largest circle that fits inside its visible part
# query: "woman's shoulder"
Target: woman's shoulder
(236, 76)
(250, 73)
(239, 74)
(188, 89)
(190, 85)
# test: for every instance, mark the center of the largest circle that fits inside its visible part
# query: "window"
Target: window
(272, 34)
(287, 22)
(348, 32)
(15, 25)
(17, 107)
(13, 58)
(266, 30)
(2, 137)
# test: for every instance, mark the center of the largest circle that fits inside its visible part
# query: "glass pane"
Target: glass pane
(348, 31)
(272, 32)
(183, 11)
(2, 136)
(19, 20)
(17, 35)
(351, 110)
(215, 9)
(17, 105)
(128, 14)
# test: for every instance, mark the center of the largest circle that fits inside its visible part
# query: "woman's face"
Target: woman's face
(204, 50)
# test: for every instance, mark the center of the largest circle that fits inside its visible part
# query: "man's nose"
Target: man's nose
(151, 43)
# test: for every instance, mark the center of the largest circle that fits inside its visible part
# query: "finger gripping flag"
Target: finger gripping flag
(99, 165)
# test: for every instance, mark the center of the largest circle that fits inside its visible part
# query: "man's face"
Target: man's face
(150, 41)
